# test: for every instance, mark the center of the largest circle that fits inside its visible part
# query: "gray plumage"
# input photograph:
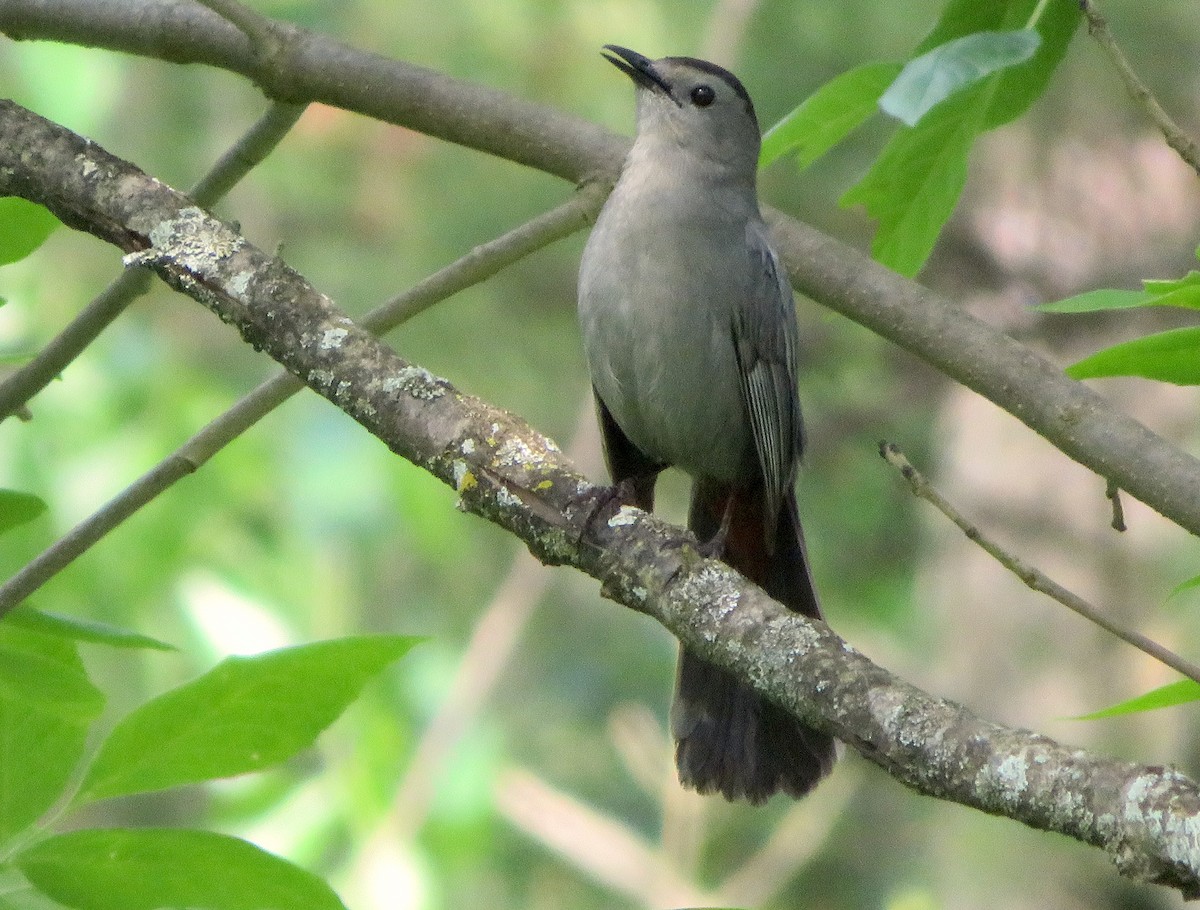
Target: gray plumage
(687, 319)
(689, 328)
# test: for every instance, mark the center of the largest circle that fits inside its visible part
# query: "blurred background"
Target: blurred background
(518, 758)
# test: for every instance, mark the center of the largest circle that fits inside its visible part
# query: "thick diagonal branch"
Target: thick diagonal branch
(1146, 818)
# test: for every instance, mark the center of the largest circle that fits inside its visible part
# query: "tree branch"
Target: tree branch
(1146, 818)
(316, 68)
(253, 146)
(1030, 575)
(1175, 137)
(476, 266)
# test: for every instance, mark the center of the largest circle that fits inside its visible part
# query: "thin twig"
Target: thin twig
(1113, 492)
(256, 27)
(254, 145)
(476, 266)
(1032, 577)
(1175, 136)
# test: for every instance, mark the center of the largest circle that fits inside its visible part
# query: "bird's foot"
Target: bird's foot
(606, 502)
(714, 547)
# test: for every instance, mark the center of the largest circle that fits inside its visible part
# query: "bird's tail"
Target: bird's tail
(729, 739)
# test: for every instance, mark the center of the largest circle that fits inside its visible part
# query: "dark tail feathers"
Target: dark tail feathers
(728, 739)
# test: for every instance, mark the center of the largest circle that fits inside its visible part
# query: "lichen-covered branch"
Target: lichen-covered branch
(1147, 819)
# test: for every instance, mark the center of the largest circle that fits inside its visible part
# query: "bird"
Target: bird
(689, 330)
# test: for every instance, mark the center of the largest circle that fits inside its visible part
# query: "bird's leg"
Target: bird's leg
(635, 491)
(714, 547)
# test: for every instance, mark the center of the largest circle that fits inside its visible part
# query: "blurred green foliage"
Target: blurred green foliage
(306, 528)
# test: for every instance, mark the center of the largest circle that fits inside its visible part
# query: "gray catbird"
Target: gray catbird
(690, 333)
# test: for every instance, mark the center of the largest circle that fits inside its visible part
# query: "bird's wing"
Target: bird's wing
(765, 339)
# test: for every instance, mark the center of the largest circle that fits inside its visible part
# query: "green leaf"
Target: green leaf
(153, 868)
(965, 17)
(915, 183)
(18, 508)
(828, 115)
(1176, 693)
(18, 893)
(47, 704)
(245, 714)
(1172, 356)
(1095, 301)
(1017, 87)
(24, 226)
(1181, 292)
(931, 78)
(83, 630)
(1184, 586)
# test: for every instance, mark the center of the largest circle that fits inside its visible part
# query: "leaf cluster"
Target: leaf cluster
(244, 715)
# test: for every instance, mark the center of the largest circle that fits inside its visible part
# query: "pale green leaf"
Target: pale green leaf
(83, 629)
(1183, 586)
(24, 226)
(154, 868)
(245, 714)
(1176, 693)
(47, 704)
(1172, 356)
(1096, 301)
(933, 77)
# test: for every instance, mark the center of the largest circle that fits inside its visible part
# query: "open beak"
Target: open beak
(638, 68)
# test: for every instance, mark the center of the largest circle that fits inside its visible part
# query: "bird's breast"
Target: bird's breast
(658, 290)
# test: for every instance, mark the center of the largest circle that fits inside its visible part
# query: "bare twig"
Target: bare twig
(255, 26)
(1175, 136)
(1113, 493)
(239, 160)
(476, 266)
(1030, 575)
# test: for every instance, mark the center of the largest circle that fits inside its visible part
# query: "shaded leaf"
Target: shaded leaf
(18, 508)
(912, 188)
(1176, 693)
(152, 868)
(1184, 586)
(83, 630)
(18, 893)
(933, 77)
(47, 704)
(915, 183)
(1172, 356)
(245, 714)
(24, 226)
(1095, 301)
(965, 17)
(1017, 87)
(826, 116)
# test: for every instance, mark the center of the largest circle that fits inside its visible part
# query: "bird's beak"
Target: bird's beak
(638, 68)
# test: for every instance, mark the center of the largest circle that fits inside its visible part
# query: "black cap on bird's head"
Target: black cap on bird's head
(685, 80)
(692, 105)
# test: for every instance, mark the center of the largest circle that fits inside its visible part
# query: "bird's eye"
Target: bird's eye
(703, 95)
